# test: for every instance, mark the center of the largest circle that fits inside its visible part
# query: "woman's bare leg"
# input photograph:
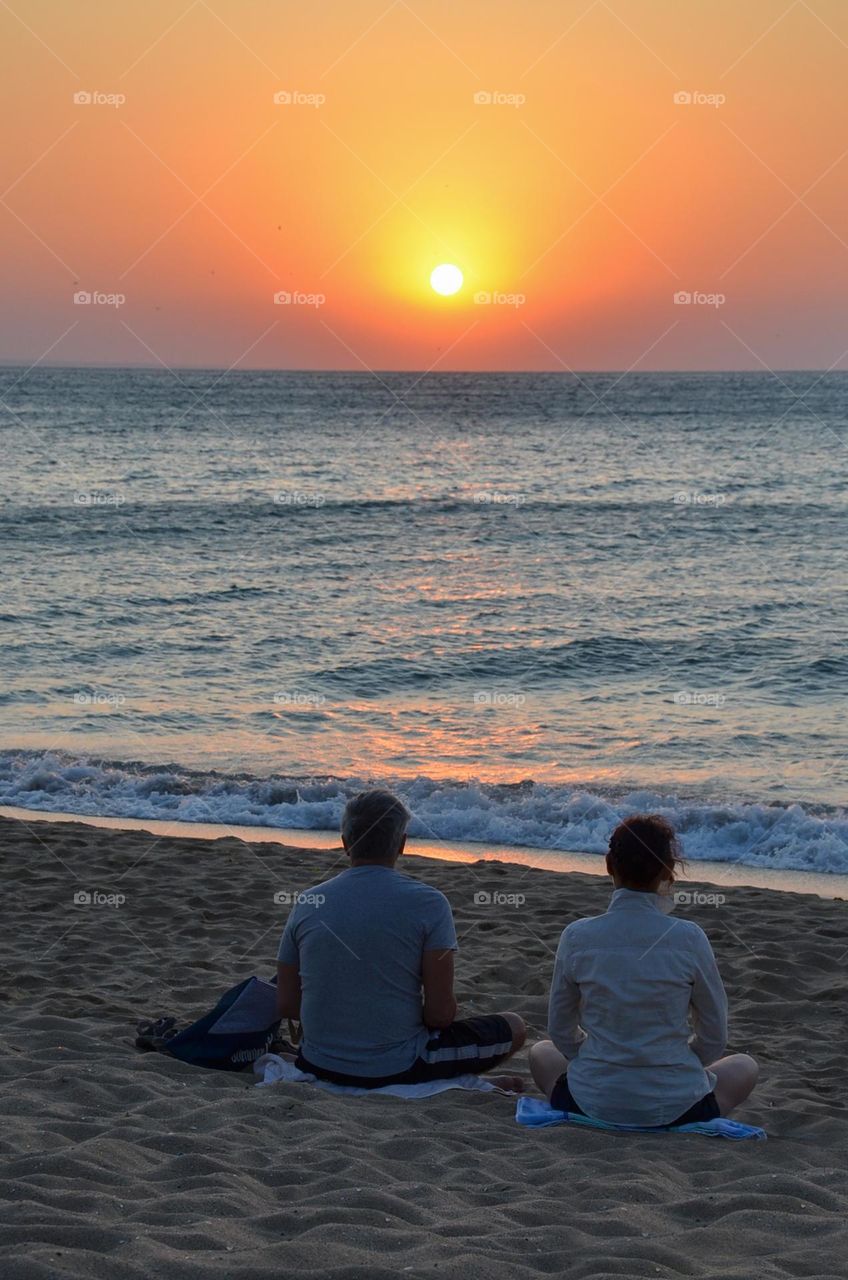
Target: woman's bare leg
(736, 1078)
(546, 1065)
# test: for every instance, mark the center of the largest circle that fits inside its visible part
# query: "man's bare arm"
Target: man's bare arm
(437, 980)
(288, 991)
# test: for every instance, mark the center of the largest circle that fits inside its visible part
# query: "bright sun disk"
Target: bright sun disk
(446, 279)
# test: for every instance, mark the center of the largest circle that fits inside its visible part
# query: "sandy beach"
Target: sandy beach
(122, 1163)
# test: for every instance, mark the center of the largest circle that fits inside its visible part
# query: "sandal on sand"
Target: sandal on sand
(287, 1048)
(153, 1037)
(283, 1049)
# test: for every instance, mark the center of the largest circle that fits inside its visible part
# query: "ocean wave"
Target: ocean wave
(568, 818)
(538, 665)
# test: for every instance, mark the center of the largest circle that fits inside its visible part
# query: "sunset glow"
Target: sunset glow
(583, 169)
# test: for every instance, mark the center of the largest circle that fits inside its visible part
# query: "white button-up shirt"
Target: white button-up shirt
(625, 986)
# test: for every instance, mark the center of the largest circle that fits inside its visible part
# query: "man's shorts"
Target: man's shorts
(467, 1046)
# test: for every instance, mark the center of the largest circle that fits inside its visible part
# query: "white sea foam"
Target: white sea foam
(545, 817)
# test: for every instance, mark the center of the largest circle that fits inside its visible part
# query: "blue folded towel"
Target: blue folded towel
(537, 1114)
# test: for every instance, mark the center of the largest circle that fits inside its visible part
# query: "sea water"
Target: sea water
(530, 602)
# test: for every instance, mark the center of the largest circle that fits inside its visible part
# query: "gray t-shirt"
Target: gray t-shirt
(358, 941)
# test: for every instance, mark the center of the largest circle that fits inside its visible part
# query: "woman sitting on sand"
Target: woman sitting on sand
(624, 987)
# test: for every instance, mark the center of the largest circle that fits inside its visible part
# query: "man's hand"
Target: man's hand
(437, 980)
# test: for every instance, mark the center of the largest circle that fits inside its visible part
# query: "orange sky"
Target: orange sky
(582, 209)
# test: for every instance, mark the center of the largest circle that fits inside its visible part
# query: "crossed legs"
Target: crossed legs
(736, 1075)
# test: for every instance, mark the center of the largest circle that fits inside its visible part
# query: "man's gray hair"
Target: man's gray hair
(374, 824)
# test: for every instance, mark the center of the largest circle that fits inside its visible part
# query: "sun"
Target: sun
(446, 279)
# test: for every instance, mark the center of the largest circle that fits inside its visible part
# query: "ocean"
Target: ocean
(530, 602)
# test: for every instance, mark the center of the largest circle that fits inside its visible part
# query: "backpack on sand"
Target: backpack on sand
(231, 1036)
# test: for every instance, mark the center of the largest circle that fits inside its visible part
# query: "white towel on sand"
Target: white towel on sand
(272, 1069)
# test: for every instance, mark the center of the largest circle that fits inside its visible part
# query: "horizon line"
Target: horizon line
(567, 373)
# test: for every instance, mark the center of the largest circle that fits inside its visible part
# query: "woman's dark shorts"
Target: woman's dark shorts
(705, 1108)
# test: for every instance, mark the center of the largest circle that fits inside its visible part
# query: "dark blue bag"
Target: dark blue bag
(237, 1031)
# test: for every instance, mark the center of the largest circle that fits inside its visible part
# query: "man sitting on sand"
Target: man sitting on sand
(366, 964)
